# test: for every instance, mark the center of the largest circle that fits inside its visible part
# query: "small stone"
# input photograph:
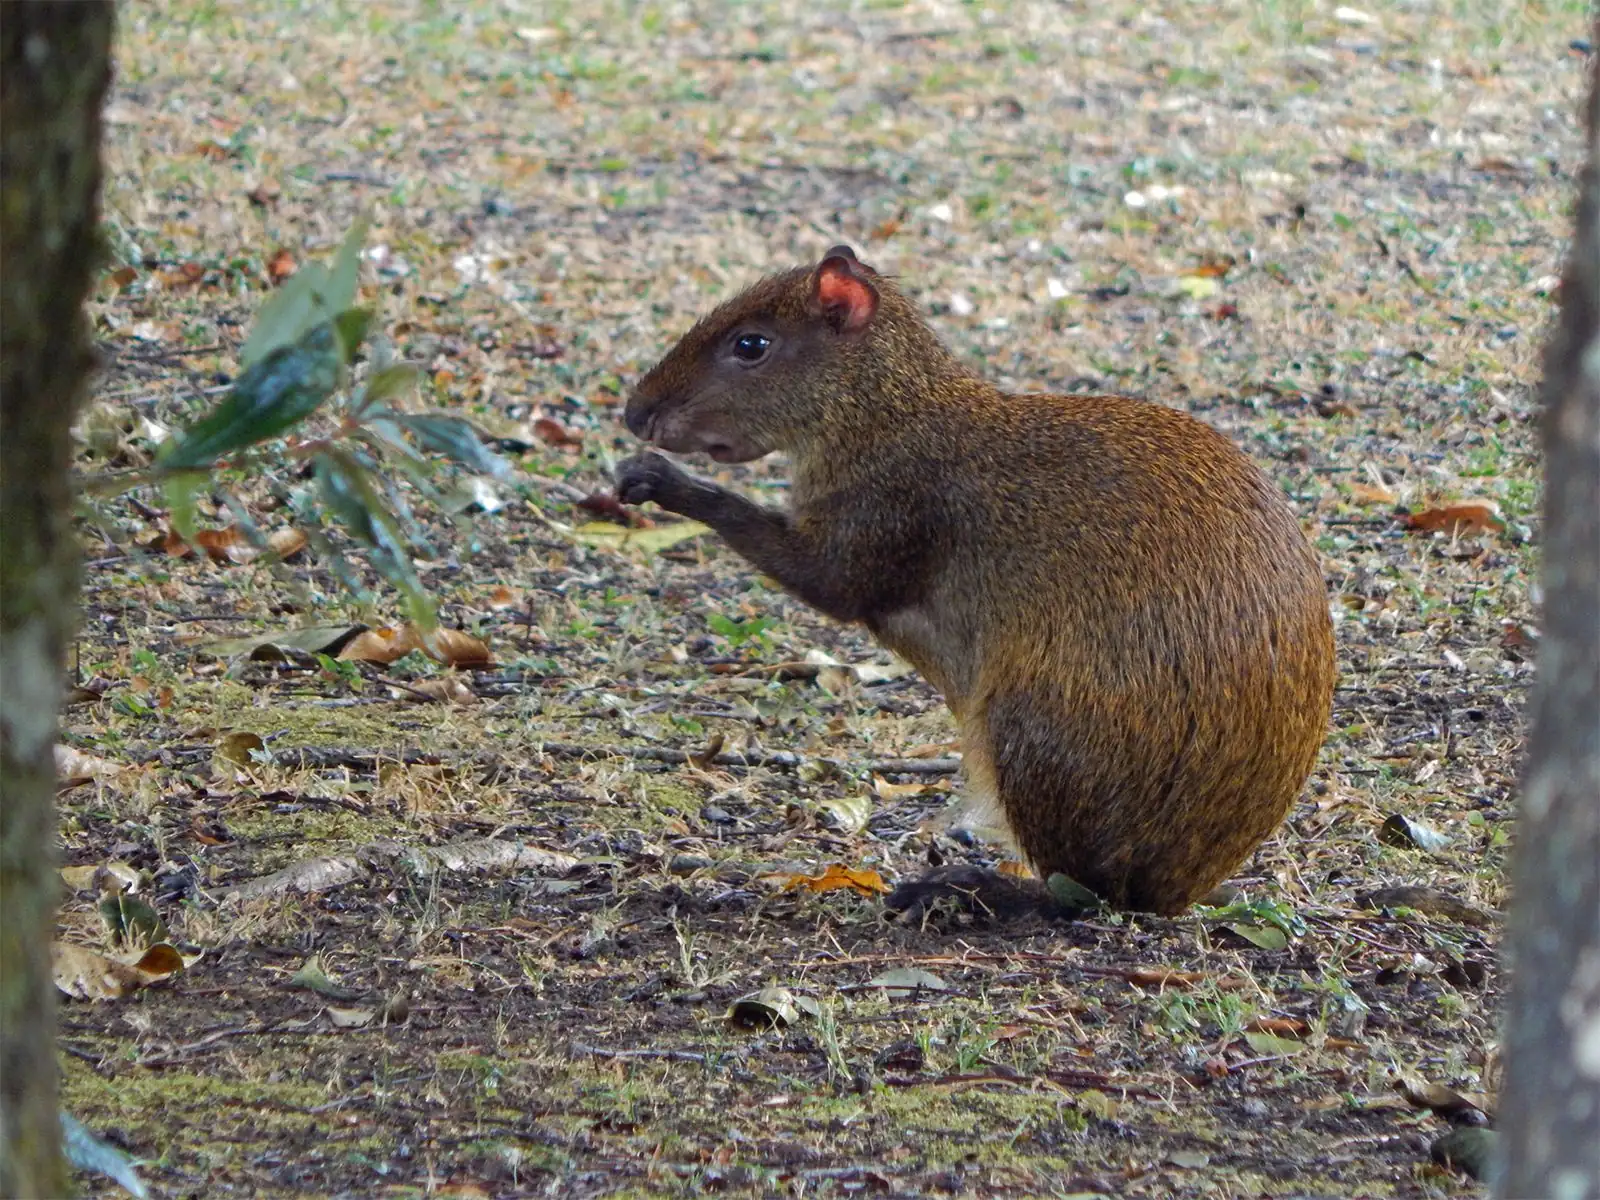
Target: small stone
(688, 864)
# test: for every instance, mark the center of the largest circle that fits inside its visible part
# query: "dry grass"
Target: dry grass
(559, 189)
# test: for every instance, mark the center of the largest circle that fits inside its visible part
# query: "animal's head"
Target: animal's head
(757, 373)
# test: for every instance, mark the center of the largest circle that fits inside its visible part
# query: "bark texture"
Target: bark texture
(54, 70)
(1551, 1102)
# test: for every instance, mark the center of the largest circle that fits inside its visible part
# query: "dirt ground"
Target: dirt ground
(1332, 233)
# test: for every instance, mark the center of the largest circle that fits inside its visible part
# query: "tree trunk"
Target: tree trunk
(55, 64)
(1551, 1102)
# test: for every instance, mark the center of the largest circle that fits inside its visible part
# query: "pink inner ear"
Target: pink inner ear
(841, 291)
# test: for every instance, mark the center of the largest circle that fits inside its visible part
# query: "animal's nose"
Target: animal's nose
(637, 416)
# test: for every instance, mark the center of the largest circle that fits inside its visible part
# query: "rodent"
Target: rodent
(1118, 605)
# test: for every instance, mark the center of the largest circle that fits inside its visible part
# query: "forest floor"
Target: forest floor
(512, 923)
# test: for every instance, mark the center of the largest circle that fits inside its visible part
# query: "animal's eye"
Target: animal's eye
(751, 347)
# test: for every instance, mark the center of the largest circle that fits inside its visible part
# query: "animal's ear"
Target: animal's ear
(842, 293)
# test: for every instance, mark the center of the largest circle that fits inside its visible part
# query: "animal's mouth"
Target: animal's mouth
(722, 452)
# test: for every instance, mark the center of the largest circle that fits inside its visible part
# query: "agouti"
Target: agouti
(1118, 605)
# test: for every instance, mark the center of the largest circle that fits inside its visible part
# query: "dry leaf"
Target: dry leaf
(225, 545)
(896, 791)
(265, 194)
(384, 646)
(213, 150)
(286, 543)
(280, 266)
(448, 689)
(87, 974)
(554, 433)
(1366, 493)
(74, 767)
(452, 647)
(122, 276)
(350, 1018)
(239, 747)
(1470, 516)
(503, 597)
(858, 879)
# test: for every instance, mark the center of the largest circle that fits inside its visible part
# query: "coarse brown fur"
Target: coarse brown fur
(1118, 606)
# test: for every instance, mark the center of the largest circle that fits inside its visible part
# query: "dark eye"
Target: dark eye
(751, 347)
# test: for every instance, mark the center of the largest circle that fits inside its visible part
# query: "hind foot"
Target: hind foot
(975, 890)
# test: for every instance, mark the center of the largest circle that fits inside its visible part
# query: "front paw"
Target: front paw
(649, 476)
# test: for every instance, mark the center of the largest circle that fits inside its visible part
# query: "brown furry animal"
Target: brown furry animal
(1119, 607)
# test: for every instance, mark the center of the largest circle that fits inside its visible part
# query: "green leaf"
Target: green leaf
(310, 297)
(391, 381)
(1268, 937)
(455, 438)
(1271, 1043)
(1069, 893)
(277, 392)
(355, 503)
(352, 325)
(180, 492)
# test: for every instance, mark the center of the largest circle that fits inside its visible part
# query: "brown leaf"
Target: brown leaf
(554, 433)
(503, 597)
(1368, 493)
(122, 276)
(213, 150)
(265, 194)
(448, 689)
(606, 505)
(286, 543)
(281, 265)
(452, 647)
(858, 879)
(384, 646)
(73, 767)
(87, 974)
(228, 545)
(1470, 516)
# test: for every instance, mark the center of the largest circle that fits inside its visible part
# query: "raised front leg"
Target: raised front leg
(767, 537)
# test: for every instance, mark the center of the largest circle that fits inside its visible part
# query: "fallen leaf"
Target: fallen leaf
(1470, 516)
(847, 814)
(1366, 493)
(383, 646)
(309, 639)
(503, 597)
(265, 194)
(74, 767)
(350, 1018)
(770, 1007)
(837, 875)
(122, 276)
(228, 545)
(554, 433)
(213, 150)
(1412, 834)
(1271, 1043)
(447, 689)
(281, 265)
(905, 981)
(661, 537)
(606, 504)
(313, 976)
(241, 748)
(286, 543)
(86, 974)
(899, 791)
(453, 647)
